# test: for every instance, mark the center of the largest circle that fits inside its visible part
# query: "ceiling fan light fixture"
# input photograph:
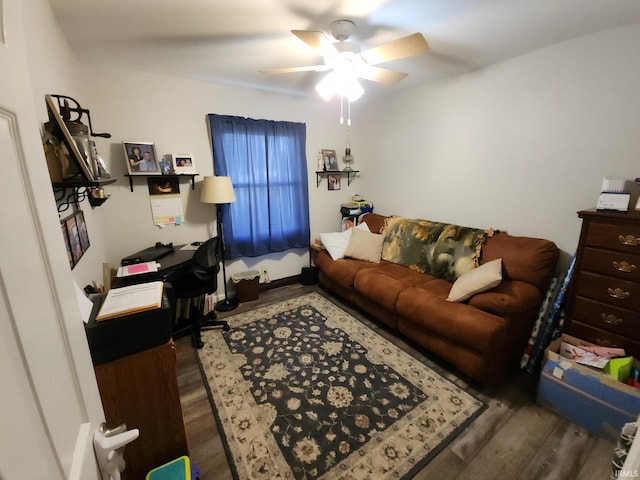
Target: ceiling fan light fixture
(326, 86)
(341, 84)
(351, 89)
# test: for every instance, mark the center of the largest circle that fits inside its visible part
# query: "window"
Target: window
(266, 161)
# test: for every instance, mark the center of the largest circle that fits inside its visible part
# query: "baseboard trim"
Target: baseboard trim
(281, 282)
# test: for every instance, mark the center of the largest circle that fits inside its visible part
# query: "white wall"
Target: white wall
(171, 112)
(520, 146)
(54, 70)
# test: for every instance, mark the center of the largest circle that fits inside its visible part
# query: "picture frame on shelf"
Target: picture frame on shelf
(183, 163)
(100, 167)
(330, 160)
(141, 158)
(333, 181)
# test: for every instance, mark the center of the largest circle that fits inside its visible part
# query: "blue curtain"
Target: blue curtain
(267, 163)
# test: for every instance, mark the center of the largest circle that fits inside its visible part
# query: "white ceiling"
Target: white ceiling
(229, 41)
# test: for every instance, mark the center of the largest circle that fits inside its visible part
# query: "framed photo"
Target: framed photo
(141, 158)
(333, 181)
(74, 239)
(163, 186)
(82, 231)
(183, 163)
(98, 163)
(65, 236)
(330, 160)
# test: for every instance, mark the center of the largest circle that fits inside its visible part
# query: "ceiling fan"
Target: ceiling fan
(346, 58)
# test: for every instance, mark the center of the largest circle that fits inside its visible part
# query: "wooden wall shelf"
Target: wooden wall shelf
(75, 191)
(350, 174)
(192, 177)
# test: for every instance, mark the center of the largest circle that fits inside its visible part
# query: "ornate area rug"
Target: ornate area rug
(302, 390)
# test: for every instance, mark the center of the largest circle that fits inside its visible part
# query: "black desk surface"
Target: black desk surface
(170, 266)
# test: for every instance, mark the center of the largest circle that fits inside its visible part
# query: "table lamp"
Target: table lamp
(219, 190)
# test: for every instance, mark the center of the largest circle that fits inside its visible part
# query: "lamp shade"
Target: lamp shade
(217, 190)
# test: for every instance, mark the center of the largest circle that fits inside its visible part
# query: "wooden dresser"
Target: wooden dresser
(603, 306)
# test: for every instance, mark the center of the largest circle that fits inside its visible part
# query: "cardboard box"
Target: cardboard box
(585, 395)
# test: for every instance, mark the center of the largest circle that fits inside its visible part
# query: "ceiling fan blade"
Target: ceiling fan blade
(408, 46)
(310, 68)
(316, 40)
(379, 75)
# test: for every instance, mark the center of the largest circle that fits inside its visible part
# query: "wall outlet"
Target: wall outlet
(264, 275)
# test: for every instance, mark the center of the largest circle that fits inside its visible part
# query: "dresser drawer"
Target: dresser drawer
(609, 290)
(607, 317)
(625, 266)
(614, 236)
(604, 338)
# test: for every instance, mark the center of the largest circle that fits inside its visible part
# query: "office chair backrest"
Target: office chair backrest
(206, 261)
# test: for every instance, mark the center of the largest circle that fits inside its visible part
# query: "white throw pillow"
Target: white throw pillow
(365, 246)
(480, 279)
(336, 243)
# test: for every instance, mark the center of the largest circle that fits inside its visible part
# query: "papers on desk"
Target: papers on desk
(137, 269)
(131, 299)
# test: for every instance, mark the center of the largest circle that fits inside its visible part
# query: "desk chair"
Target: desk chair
(200, 278)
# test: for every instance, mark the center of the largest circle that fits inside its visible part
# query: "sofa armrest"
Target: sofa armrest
(509, 298)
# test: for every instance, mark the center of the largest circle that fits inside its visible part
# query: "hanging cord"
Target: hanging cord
(341, 109)
(349, 112)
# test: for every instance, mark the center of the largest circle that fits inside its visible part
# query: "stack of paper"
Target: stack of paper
(131, 299)
(137, 269)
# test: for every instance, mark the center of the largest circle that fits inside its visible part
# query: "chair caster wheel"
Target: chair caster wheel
(226, 327)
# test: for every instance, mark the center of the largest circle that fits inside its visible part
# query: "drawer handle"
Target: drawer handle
(629, 240)
(605, 343)
(618, 293)
(624, 266)
(611, 319)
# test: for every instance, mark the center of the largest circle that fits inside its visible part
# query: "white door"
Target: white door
(49, 401)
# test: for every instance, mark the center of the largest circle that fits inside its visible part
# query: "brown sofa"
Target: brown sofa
(484, 336)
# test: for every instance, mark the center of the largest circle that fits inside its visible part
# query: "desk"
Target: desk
(171, 266)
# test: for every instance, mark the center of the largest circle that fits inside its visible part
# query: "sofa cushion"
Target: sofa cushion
(384, 282)
(510, 298)
(342, 271)
(440, 249)
(365, 246)
(481, 279)
(336, 243)
(427, 307)
(531, 260)
(375, 221)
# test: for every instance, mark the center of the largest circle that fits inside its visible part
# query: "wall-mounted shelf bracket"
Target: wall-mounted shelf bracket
(350, 174)
(73, 192)
(192, 177)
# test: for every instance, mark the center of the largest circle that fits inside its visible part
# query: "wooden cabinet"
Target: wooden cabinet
(603, 306)
(141, 390)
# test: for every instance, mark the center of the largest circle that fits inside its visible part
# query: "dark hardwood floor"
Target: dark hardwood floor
(515, 438)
